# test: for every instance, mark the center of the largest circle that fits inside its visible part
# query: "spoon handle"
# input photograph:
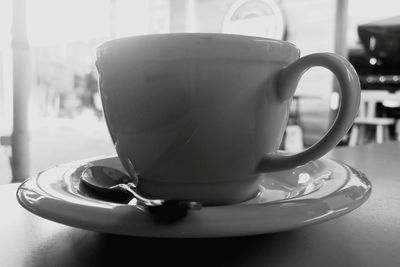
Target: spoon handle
(148, 202)
(181, 204)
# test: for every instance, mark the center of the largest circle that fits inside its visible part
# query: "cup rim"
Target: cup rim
(119, 44)
(109, 43)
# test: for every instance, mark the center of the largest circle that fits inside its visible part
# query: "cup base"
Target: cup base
(209, 194)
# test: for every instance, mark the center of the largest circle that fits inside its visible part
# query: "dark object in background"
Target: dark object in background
(377, 62)
(382, 39)
(373, 73)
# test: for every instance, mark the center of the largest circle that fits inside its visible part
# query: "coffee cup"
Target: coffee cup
(200, 116)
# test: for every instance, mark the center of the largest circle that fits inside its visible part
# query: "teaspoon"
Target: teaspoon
(106, 180)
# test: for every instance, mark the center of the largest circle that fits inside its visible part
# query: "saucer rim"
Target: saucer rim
(32, 187)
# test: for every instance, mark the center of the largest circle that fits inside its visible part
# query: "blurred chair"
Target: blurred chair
(367, 118)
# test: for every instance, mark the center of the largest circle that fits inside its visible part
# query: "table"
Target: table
(294, 137)
(370, 98)
(294, 115)
(367, 116)
(368, 236)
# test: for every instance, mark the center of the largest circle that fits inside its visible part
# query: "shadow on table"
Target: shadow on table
(84, 248)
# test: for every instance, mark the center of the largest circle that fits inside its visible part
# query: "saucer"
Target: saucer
(316, 192)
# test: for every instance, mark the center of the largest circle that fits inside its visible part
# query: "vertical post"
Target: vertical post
(113, 15)
(191, 16)
(341, 27)
(21, 84)
(178, 13)
(340, 48)
(183, 16)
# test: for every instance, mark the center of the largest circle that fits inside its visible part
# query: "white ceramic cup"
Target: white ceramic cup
(200, 116)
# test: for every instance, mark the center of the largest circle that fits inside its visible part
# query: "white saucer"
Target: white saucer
(314, 193)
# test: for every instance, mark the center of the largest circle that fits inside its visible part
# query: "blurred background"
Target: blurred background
(50, 111)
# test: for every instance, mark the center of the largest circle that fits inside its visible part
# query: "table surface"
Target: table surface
(368, 236)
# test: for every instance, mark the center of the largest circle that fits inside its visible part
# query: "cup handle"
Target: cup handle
(288, 79)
